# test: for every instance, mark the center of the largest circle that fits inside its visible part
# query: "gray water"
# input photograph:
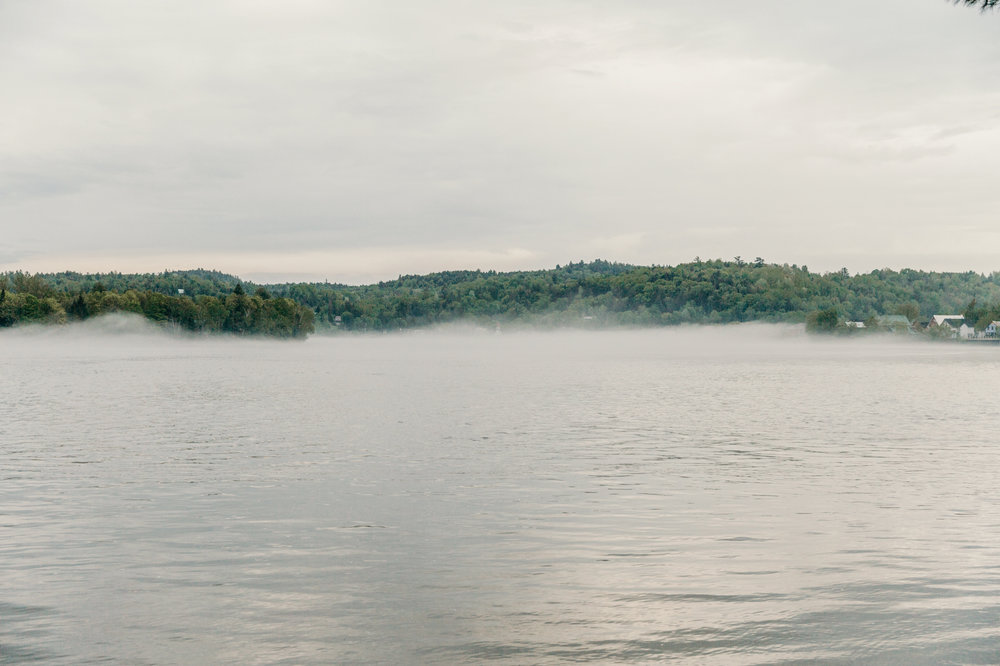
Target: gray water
(737, 495)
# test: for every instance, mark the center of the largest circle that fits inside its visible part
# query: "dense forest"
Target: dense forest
(227, 308)
(601, 293)
(593, 294)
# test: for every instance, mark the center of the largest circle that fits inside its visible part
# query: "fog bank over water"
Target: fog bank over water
(696, 338)
(119, 336)
(119, 325)
(722, 343)
(112, 324)
(730, 341)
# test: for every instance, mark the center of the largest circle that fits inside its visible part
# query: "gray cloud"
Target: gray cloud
(517, 133)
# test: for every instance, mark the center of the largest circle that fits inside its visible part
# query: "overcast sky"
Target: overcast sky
(354, 141)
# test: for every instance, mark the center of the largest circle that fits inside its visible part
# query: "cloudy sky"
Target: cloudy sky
(354, 141)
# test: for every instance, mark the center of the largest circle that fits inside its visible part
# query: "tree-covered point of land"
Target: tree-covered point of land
(48, 299)
(597, 293)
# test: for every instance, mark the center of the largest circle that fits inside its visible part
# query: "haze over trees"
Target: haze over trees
(594, 294)
(208, 307)
(601, 293)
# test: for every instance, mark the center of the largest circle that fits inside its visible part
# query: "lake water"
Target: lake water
(736, 495)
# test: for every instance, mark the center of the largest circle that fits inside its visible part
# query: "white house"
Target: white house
(991, 330)
(945, 325)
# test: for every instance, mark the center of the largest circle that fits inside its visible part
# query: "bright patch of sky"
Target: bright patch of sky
(354, 141)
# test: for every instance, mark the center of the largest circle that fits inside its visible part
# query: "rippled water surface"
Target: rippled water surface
(736, 495)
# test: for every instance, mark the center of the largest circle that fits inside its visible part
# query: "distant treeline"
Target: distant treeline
(597, 293)
(601, 293)
(41, 299)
